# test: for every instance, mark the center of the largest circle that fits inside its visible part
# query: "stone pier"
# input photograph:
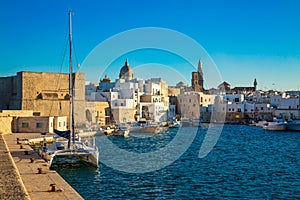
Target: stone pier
(24, 175)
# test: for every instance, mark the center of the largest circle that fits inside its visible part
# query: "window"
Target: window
(201, 99)
(64, 123)
(25, 125)
(59, 124)
(39, 125)
(239, 110)
(229, 109)
(262, 108)
(232, 109)
(236, 99)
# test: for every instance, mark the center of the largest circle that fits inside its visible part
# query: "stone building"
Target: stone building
(47, 94)
(97, 112)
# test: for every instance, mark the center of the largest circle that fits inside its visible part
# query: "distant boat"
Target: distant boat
(261, 123)
(174, 124)
(276, 125)
(293, 125)
(121, 130)
(67, 148)
(147, 126)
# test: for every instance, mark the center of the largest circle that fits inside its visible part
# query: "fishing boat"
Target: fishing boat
(147, 126)
(276, 125)
(174, 123)
(261, 124)
(68, 148)
(121, 130)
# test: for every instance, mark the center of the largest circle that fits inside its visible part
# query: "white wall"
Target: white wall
(284, 102)
(234, 97)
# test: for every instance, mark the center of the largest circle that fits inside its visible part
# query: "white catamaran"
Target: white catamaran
(72, 149)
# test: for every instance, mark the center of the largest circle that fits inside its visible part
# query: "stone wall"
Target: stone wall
(43, 92)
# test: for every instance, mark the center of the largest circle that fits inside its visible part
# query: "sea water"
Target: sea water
(246, 163)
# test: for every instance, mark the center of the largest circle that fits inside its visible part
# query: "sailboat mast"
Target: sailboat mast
(71, 91)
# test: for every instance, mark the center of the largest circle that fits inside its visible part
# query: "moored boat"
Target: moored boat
(293, 125)
(121, 130)
(59, 152)
(174, 124)
(261, 123)
(145, 127)
(67, 148)
(278, 125)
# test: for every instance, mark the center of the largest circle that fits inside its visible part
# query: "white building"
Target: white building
(153, 111)
(284, 102)
(234, 98)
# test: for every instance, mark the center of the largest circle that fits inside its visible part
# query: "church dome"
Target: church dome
(126, 72)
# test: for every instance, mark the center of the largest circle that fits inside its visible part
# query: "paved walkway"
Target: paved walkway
(37, 185)
(11, 187)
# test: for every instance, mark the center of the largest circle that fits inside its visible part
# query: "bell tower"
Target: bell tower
(200, 76)
(255, 84)
(197, 79)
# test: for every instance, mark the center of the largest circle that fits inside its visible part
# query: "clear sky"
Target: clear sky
(246, 39)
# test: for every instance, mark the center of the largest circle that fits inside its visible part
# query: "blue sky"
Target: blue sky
(246, 39)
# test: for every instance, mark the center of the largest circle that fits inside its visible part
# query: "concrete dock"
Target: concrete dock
(25, 175)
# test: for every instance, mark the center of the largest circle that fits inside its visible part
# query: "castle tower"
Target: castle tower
(126, 72)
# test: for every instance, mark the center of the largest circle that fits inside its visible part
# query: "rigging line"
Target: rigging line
(60, 71)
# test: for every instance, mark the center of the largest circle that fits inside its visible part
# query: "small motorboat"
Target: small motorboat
(276, 125)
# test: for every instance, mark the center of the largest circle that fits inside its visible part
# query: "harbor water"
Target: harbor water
(247, 162)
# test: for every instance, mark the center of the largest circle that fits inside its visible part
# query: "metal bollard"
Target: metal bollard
(52, 189)
(39, 170)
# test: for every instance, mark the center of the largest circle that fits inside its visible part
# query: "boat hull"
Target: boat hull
(144, 130)
(74, 157)
(275, 127)
(293, 127)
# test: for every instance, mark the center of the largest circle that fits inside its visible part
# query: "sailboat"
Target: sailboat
(68, 148)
